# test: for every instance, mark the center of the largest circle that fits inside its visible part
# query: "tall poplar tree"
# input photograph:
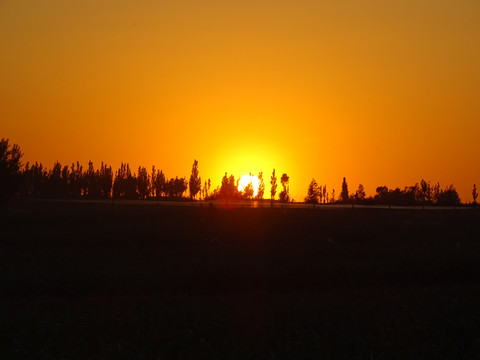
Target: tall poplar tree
(195, 183)
(344, 197)
(313, 193)
(273, 183)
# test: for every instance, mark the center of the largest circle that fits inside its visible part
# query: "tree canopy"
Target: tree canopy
(77, 182)
(313, 193)
(273, 183)
(195, 182)
(10, 156)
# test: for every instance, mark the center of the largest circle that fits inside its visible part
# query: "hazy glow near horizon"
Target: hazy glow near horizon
(249, 179)
(381, 92)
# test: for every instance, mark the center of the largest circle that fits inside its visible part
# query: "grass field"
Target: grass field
(91, 281)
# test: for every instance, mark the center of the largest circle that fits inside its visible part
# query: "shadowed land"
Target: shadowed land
(86, 280)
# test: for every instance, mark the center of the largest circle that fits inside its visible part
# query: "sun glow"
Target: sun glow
(245, 180)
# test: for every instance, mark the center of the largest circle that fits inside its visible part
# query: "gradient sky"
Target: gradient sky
(382, 92)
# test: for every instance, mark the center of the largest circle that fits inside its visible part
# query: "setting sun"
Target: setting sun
(245, 180)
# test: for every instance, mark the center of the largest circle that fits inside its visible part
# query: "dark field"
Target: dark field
(147, 281)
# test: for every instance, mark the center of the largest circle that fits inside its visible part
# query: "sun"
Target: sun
(249, 179)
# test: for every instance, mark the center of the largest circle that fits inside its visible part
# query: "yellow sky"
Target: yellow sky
(382, 92)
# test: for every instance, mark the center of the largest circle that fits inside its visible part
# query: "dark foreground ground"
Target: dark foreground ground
(89, 281)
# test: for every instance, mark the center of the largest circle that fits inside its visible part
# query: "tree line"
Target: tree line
(423, 193)
(229, 189)
(76, 182)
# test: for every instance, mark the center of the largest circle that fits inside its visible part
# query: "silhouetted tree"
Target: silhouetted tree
(65, 176)
(411, 195)
(261, 187)
(233, 187)
(448, 197)
(248, 191)
(143, 182)
(53, 186)
(224, 187)
(105, 180)
(153, 177)
(333, 195)
(312, 193)
(203, 190)
(474, 194)
(228, 189)
(382, 196)
(35, 179)
(195, 182)
(206, 189)
(426, 191)
(118, 182)
(325, 194)
(88, 181)
(225, 191)
(436, 192)
(177, 187)
(170, 188)
(360, 193)
(344, 197)
(92, 183)
(215, 194)
(159, 185)
(396, 197)
(25, 185)
(76, 180)
(273, 183)
(125, 184)
(284, 180)
(131, 185)
(10, 176)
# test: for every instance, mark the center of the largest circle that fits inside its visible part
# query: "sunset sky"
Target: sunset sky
(381, 92)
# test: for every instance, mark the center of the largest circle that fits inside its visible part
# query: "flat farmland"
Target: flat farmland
(92, 280)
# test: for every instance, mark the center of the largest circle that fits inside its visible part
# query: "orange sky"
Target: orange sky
(382, 92)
